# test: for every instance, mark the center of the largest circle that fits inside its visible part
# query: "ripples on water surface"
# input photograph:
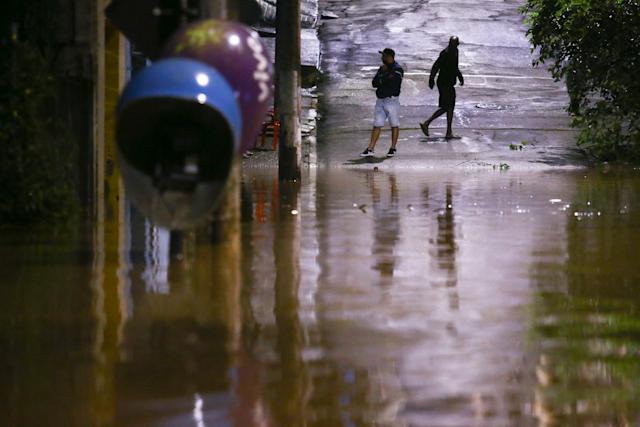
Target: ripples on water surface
(359, 298)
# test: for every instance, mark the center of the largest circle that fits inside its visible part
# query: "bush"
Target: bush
(595, 46)
(36, 154)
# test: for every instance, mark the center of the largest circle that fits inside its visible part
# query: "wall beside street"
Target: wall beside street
(308, 12)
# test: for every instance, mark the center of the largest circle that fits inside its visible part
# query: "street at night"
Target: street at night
(238, 262)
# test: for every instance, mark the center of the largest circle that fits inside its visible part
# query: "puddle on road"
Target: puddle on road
(496, 107)
(357, 298)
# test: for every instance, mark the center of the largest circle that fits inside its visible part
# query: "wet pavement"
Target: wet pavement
(504, 100)
(357, 298)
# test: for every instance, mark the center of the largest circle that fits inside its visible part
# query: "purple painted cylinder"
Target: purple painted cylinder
(237, 53)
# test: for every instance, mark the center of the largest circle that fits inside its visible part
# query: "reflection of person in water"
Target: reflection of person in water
(386, 231)
(446, 248)
(446, 241)
(446, 68)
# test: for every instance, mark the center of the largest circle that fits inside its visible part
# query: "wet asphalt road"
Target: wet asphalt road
(504, 101)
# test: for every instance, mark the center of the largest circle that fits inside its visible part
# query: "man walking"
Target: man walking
(446, 67)
(387, 81)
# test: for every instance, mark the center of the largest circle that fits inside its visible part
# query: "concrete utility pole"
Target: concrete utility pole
(214, 9)
(288, 88)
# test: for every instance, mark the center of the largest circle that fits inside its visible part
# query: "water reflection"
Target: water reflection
(47, 328)
(156, 257)
(355, 298)
(289, 389)
(587, 328)
(386, 223)
(445, 246)
(182, 343)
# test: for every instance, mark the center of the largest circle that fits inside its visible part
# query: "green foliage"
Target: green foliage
(36, 154)
(595, 46)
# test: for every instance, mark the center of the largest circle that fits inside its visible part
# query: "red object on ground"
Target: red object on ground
(274, 125)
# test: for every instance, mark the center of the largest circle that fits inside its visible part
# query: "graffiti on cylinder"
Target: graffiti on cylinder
(261, 75)
(237, 52)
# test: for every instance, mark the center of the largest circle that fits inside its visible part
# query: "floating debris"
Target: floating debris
(502, 166)
(328, 15)
(499, 107)
(587, 214)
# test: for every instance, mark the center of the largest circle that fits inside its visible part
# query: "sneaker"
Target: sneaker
(425, 129)
(392, 152)
(367, 153)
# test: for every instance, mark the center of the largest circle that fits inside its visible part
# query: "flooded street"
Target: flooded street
(486, 280)
(358, 298)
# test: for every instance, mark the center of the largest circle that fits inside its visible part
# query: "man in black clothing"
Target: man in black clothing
(446, 66)
(388, 82)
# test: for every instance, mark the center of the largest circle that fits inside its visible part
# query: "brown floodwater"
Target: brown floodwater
(357, 298)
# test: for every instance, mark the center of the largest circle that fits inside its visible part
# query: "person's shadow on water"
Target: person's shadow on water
(439, 139)
(366, 160)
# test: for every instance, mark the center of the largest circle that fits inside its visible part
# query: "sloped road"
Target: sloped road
(504, 101)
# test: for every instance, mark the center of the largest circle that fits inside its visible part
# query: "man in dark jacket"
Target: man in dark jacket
(446, 67)
(388, 82)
